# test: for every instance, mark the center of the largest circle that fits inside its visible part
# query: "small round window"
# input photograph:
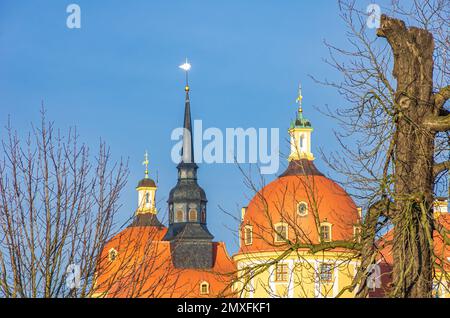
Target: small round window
(302, 208)
(112, 254)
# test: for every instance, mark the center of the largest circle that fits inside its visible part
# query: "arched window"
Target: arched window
(281, 232)
(325, 232)
(179, 216)
(203, 220)
(248, 235)
(112, 254)
(302, 137)
(204, 288)
(302, 208)
(192, 215)
(147, 198)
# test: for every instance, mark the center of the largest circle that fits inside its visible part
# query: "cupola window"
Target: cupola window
(203, 215)
(147, 198)
(302, 208)
(192, 215)
(179, 216)
(204, 288)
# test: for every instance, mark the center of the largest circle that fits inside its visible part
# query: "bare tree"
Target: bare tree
(396, 84)
(57, 208)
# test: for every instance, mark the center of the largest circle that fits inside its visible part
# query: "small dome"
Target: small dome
(299, 199)
(146, 219)
(301, 122)
(146, 183)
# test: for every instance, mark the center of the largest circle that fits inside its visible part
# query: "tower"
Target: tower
(301, 159)
(146, 211)
(300, 134)
(191, 242)
(146, 189)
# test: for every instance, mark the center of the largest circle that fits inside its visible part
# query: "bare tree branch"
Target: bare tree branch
(440, 167)
(441, 97)
(437, 123)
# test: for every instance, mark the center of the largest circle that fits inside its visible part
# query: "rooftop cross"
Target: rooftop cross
(145, 163)
(299, 98)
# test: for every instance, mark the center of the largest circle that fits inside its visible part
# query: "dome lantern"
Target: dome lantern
(146, 189)
(300, 134)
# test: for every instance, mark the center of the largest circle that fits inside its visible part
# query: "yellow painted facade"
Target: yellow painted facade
(259, 278)
(300, 144)
(146, 192)
(146, 200)
(257, 275)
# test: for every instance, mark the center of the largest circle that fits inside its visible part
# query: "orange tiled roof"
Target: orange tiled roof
(277, 202)
(143, 268)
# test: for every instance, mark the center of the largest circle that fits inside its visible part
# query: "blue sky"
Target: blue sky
(117, 78)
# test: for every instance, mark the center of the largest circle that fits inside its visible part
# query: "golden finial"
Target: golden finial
(299, 98)
(145, 163)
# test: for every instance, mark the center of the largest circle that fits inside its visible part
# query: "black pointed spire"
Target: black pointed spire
(187, 152)
(191, 242)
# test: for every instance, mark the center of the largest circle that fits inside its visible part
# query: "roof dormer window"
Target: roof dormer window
(281, 232)
(325, 232)
(204, 288)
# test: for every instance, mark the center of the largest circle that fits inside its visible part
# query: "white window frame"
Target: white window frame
(298, 211)
(330, 228)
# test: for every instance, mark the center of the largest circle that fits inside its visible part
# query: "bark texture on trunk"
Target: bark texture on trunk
(413, 157)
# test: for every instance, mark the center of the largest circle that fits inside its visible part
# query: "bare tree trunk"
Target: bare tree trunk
(401, 127)
(413, 157)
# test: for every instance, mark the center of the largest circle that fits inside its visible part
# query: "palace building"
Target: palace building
(299, 212)
(298, 236)
(148, 259)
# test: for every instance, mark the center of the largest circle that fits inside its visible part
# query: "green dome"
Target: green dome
(300, 121)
